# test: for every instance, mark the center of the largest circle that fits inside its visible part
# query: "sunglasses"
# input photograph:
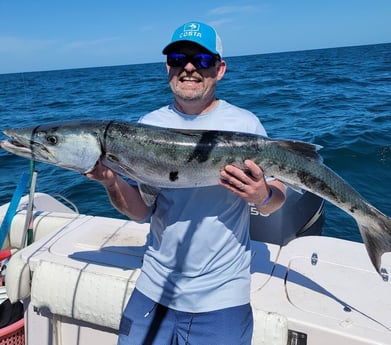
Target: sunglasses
(201, 60)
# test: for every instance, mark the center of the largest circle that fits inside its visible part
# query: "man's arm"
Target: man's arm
(124, 197)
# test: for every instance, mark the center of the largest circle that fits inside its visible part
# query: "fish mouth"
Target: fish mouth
(25, 148)
(14, 142)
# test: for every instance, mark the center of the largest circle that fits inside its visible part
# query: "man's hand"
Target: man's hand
(102, 174)
(124, 197)
(251, 185)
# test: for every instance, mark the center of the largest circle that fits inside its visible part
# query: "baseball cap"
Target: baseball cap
(199, 33)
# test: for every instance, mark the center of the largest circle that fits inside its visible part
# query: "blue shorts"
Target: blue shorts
(145, 322)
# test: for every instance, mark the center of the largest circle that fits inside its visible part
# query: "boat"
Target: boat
(76, 277)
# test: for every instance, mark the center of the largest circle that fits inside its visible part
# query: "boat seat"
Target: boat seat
(86, 271)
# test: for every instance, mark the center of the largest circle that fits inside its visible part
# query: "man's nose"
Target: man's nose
(189, 67)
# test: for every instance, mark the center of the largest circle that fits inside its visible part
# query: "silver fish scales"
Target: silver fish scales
(158, 157)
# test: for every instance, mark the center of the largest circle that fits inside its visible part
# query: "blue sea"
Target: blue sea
(337, 98)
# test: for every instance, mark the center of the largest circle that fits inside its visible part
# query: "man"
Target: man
(195, 282)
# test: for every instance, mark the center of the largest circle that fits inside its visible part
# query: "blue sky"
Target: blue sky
(38, 35)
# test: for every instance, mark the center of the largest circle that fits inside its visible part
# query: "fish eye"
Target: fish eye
(51, 139)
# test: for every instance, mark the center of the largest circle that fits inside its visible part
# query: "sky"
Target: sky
(41, 35)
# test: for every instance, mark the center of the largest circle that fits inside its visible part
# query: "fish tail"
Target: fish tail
(376, 234)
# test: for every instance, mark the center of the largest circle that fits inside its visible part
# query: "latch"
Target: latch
(314, 259)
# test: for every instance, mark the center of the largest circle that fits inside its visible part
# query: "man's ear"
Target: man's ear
(221, 69)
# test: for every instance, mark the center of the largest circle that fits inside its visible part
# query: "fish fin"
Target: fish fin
(148, 193)
(302, 148)
(376, 236)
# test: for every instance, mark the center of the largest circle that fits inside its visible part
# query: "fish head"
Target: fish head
(69, 145)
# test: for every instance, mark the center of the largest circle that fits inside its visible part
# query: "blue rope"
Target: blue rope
(6, 224)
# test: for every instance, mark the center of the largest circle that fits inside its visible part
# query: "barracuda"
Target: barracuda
(157, 158)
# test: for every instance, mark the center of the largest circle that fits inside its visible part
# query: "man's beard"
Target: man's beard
(188, 96)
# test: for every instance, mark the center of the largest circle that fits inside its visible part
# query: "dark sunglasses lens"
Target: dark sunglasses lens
(177, 60)
(204, 60)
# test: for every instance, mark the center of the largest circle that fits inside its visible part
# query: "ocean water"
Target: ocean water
(337, 98)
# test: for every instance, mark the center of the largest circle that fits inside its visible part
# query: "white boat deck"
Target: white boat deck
(318, 290)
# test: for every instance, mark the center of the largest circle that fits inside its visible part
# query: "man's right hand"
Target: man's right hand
(102, 174)
(124, 197)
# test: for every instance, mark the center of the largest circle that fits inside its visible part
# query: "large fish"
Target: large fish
(174, 158)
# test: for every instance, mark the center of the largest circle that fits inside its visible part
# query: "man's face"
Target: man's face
(189, 83)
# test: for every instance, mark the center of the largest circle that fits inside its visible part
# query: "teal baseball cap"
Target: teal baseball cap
(198, 33)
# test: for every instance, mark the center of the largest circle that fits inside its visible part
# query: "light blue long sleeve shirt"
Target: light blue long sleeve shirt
(198, 258)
